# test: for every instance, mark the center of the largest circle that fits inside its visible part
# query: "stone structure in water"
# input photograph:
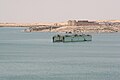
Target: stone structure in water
(72, 38)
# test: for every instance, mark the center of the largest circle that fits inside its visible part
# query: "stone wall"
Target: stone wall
(81, 23)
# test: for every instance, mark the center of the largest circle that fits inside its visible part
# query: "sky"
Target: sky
(58, 10)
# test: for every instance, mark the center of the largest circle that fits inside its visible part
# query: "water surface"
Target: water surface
(33, 56)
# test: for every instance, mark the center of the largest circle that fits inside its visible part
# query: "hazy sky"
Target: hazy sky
(58, 10)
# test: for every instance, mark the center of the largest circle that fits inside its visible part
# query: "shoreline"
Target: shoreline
(70, 26)
(74, 29)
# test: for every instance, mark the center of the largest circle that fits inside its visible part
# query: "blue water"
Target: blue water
(33, 56)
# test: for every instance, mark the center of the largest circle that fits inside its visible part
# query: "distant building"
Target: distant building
(72, 23)
(82, 23)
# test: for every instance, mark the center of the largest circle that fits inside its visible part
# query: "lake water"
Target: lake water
(33, 56)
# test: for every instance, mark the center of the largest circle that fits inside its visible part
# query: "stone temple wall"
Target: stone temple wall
(82, 23)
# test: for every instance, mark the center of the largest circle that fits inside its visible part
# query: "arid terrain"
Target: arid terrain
(70, 26)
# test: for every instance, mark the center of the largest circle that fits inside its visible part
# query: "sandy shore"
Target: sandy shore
(104, 26)
(75, 29)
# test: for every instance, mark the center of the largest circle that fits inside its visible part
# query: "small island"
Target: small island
(70, 26)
